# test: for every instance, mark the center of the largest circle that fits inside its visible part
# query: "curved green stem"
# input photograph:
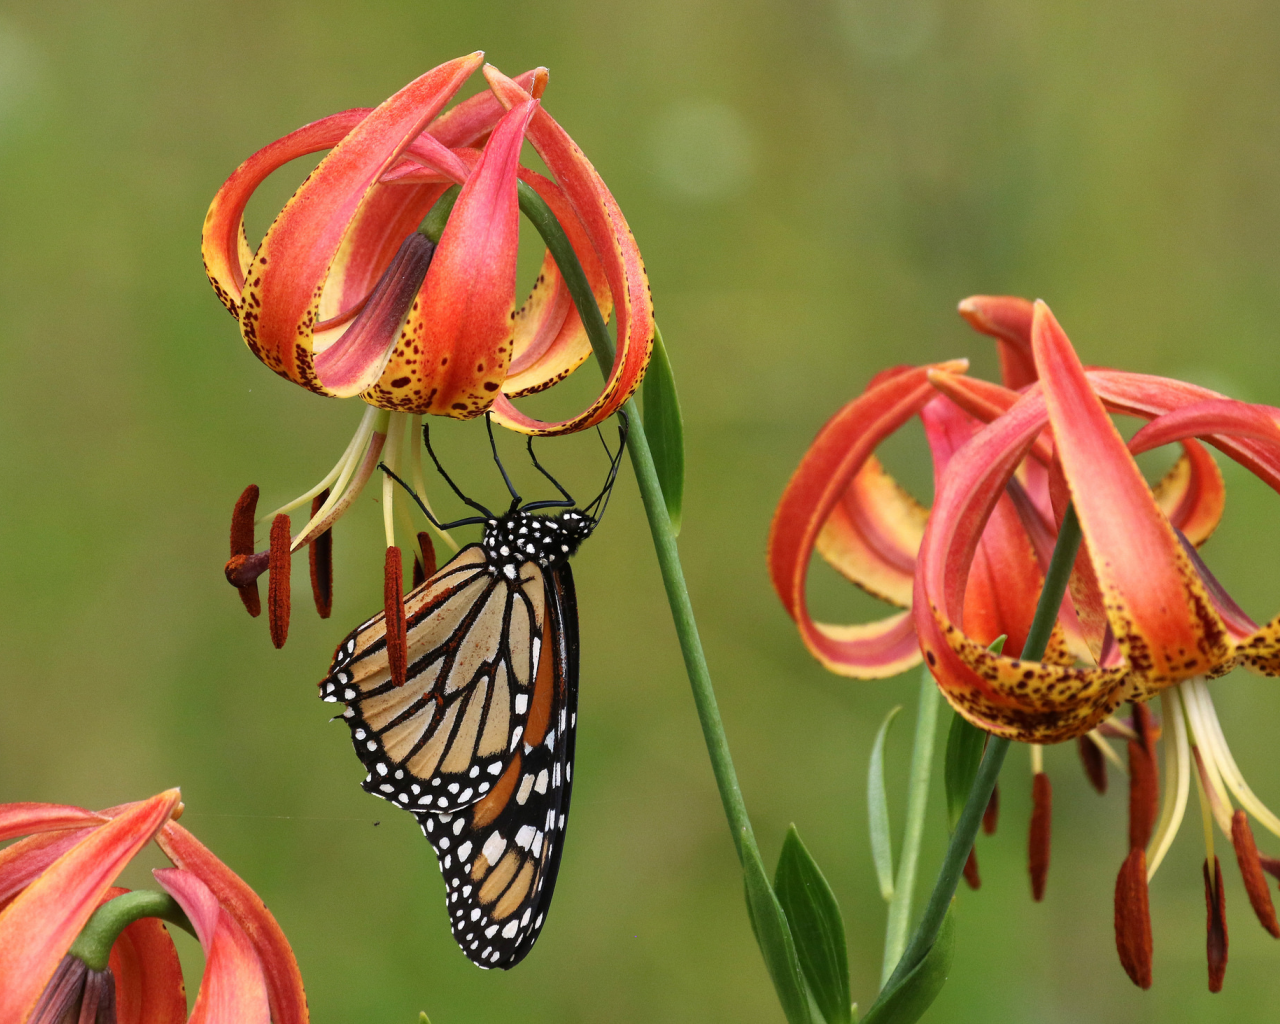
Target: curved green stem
(1055, 586)
(93, 944)
(664, 542)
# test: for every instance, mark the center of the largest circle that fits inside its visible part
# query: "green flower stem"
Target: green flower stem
(899, 918)
(1055, 586)
(664, 542)
(93, 945)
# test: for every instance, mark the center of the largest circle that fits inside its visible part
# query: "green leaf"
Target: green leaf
(773, 936)
(816, 927)
(964, 754)
(878, 810)
(664, 429)
(908, 1000)
(423, 1018)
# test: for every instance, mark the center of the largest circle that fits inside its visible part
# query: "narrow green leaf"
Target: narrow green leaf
(816, 927)
(908, 1000)
(423, 1018)
(964, 754)
(878, 810)
(773, 936)
(965, 743)
(664, 428)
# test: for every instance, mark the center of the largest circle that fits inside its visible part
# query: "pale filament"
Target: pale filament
(334, 508)
(395, 442)
(1037, 758)
(1226, 764)
(1206, 765)
(1107, 751)
(1177, 770)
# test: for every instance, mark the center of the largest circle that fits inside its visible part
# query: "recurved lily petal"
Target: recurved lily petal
(550, 341)
(283, 980)
(607, 229)
(233, 989)
(1158, 610)
(296, 279)
(837, 456)
(1006, 318)
(38, 927)
(1034, 701)
(24, 819)
(453, 352)
(24, 861)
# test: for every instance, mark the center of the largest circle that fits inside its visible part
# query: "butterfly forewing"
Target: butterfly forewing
(443, 739)
(499, 857)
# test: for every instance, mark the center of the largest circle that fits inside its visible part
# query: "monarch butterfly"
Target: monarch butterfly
(478, 742)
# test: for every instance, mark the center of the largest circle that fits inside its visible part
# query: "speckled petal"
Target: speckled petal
(308, 269)
(1162, 620)
(609, 234)
(452, 355)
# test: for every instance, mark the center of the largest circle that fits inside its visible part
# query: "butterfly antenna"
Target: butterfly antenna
(470, 520)
(493, 447)
(426, 440)
(615, 463)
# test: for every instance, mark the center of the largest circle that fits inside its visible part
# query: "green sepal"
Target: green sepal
(816, 928)
(664, 428)
(907, 1001)
(878, 810)
(773, 936)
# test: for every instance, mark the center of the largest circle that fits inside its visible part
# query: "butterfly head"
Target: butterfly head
(520, 537)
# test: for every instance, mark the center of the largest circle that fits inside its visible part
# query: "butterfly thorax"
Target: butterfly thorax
(520, 537)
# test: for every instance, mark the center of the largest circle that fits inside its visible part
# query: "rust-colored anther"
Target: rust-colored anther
(393, 605)
(278, 582)
(1215, 902)
(992, 814)
(1038, 837)
(244, 570)
(242, 547)
(1255, 883)
(320, 555)
(1144, 783)
(971, 875)
(1095, 765)
(1133, 919)
(424, 560)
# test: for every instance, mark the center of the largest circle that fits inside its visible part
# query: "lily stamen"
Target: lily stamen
(1177, 760)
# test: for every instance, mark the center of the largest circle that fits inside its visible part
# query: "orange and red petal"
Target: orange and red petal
(608, 232)
(823, 479)
(452, 355)
(284, 981)
(287, 277)
(148, 976)
(233, 989)
(21, 819)
(38, 927)
(24, 861)
(1157, 609)
(1007, 319)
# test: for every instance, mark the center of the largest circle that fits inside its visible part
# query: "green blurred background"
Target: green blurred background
(814, 185)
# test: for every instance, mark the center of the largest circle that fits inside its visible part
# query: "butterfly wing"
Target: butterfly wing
(499, 857)
(444, 739)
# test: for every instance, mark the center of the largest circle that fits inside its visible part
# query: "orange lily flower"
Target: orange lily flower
(1144, 615)
(53, 881)
(347, 296)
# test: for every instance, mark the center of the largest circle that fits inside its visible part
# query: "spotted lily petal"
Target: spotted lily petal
(305, 271)
(452, 355)
(38, 927)
(607, 229)
(1158, 610)
(233, 989)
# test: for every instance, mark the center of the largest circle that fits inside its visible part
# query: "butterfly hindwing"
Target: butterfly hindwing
(500, 856)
